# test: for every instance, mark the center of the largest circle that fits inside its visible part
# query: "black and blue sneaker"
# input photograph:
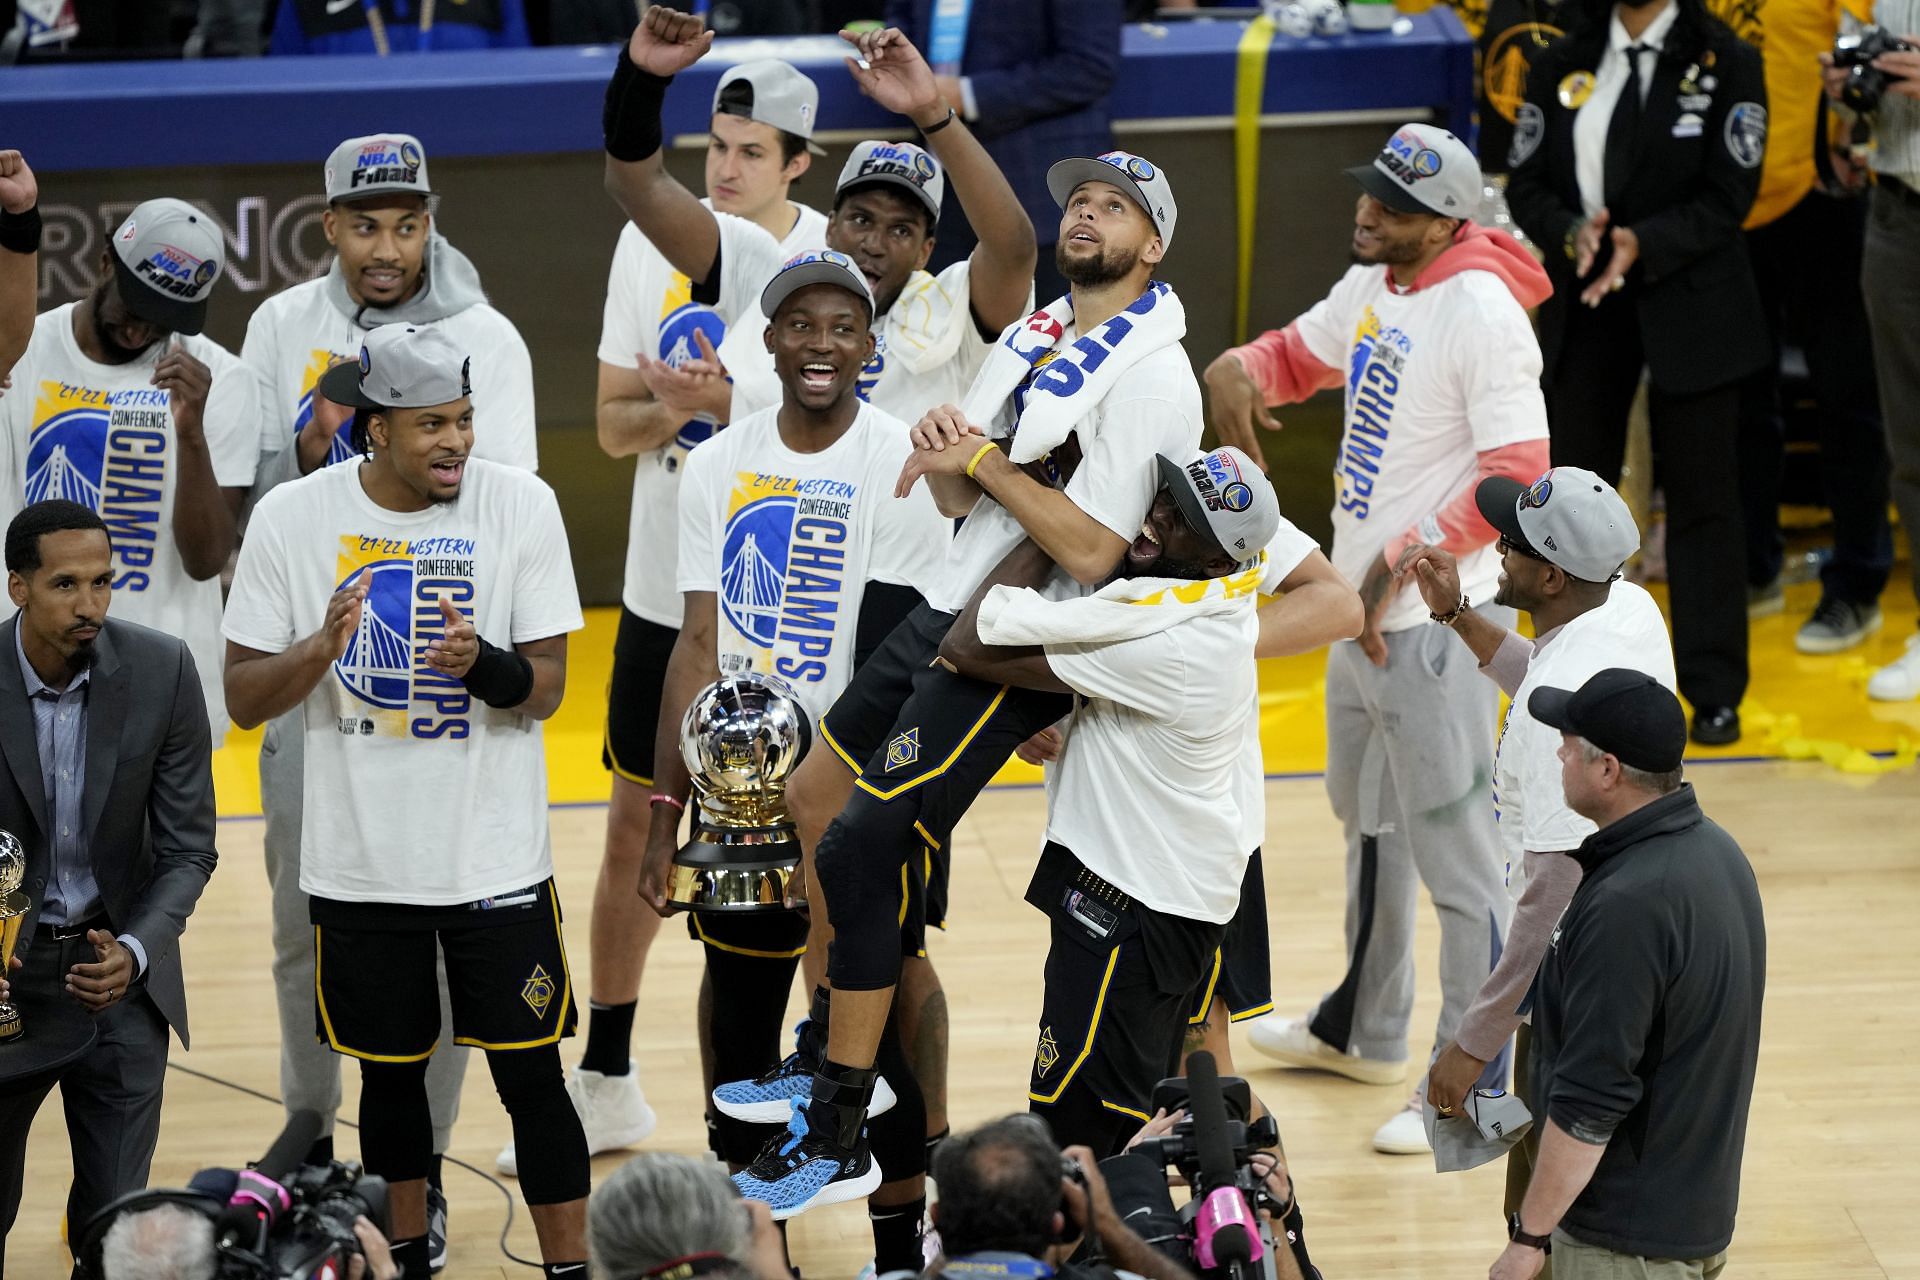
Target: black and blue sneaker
(768, 1098)
(810, 1164)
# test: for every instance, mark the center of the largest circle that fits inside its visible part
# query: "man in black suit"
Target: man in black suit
(109, 788)
(1634, 161)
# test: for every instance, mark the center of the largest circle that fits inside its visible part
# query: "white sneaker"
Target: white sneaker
(1899, 680)
(612, 1110)
(1290, 1041)
(1405, 1134)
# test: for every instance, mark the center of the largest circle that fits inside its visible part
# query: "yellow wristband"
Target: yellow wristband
(973, 462)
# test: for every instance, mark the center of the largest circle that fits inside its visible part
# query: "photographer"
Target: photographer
(1890, 265)
(1004, 1202)
(664, 1216)
(172, 1242)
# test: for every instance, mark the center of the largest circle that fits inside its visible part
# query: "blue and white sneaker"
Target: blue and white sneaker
(801, 1170)
(768, 1097)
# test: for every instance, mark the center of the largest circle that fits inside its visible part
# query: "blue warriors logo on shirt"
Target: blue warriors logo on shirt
(783, 570)
(319, 360)
(681, 318)
(384, 685)
(875, 366)
(1374, 370)
(108, 451)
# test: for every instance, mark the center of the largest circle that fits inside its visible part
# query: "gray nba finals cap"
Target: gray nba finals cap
(400, 367)
(1135, 175)
(167, 256)
(899, 164)
(820, 266)
(379, 164)
(775, 94)
(1424, 169)
(1223, 495)
(1489, 1122)
(1569, 516)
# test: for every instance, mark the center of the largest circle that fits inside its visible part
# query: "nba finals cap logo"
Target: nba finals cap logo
(387, 162)
(898, 160)
(1537, 495)
(173, 271)
(1408, 159)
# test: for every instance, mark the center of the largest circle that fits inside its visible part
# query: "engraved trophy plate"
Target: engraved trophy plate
(740, 739)
(13, 914)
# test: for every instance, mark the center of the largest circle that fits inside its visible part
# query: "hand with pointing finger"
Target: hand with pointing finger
(454, 652)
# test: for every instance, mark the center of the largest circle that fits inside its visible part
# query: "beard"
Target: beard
(115, 352)
(1105, 267)
(1176, 567)
(1387, 255)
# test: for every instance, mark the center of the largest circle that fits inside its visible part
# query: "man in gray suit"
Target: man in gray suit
(108, 786)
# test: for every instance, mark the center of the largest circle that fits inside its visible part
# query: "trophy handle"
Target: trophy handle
(13, 914)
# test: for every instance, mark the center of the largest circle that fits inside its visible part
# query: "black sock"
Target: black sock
(433, 1172)
(896, 1236)
(321, 1152)
(411, 1257)
(609, 1038)
(572, 1270)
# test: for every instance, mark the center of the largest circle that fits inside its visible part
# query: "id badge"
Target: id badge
(1097, 918)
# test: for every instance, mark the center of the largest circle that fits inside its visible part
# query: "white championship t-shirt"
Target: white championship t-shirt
(1284, 554)
(1152, 408)
(650, 308)
(1433, 378)
(415, 791)
(1626, 631)
(102, 435)
(1148, 786)
(926, 348)
(788, 541)
(298, 333)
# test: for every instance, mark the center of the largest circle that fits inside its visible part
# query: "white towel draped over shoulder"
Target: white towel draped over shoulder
(1124, 609)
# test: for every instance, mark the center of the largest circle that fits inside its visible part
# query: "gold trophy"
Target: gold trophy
(741, 739)
(13, 914)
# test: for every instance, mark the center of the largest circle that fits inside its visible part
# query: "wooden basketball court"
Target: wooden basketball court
(1832, 1179)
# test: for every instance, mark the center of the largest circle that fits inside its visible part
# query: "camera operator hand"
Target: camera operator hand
(1091, 1209)
(1904, 67)
(378, 1263)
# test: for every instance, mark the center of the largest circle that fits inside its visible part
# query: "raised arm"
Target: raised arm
(898, 78)
(1316, 607)
(1027, 565)
(665, 43)
(19, 263)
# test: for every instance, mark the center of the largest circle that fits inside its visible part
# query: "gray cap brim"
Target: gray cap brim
(1174, 477)
(1390, 193)
(1549, 706)
(176, 315)
(791, 281)
(1067, 174)
(341, 384)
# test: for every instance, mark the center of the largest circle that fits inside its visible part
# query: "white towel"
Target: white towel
(1124, 609)
(1075, 379)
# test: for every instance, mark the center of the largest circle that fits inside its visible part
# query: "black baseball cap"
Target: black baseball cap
(1627, 714)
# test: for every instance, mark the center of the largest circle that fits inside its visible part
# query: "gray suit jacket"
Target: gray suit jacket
(148, 802)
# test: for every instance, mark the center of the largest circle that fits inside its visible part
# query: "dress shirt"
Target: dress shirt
(1609, 81)
(60, 735)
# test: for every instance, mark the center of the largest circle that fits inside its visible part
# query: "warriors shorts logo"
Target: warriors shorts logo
(904, 749)
(1046, 1054)
(538, 991)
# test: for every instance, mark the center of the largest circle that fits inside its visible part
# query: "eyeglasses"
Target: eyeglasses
(1507, 544)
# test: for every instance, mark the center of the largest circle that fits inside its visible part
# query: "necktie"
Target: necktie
(1623, 130)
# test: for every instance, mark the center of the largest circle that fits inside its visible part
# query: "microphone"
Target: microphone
(256, 1198)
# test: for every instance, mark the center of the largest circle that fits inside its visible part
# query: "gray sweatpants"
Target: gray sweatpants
(1410, 775)
(309, 1070)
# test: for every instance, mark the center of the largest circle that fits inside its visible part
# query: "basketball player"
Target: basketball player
(758, 146)
(120, 404)
(932, 333)
(1051, 443)
(414, 608)
(796, 560)
(1429, 333)
(391, 265)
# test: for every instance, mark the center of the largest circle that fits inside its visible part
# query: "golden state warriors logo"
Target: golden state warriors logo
(538, 991)
(108, 451)
(1542, 490)
(384, 685)
(681, 319)
(1046, 1054)
(1507, 64)
(904, 748)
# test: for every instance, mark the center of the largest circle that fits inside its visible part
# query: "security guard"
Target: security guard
(1634, 161)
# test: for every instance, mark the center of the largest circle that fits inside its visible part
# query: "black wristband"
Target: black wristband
(631, 118)
(20, 232)
(499, 677)
(930, 130)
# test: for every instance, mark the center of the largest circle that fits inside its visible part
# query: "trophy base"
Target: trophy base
(11, 1027)
(734, 870)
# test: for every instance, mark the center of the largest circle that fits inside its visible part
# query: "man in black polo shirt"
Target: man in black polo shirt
(1647, 1007)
